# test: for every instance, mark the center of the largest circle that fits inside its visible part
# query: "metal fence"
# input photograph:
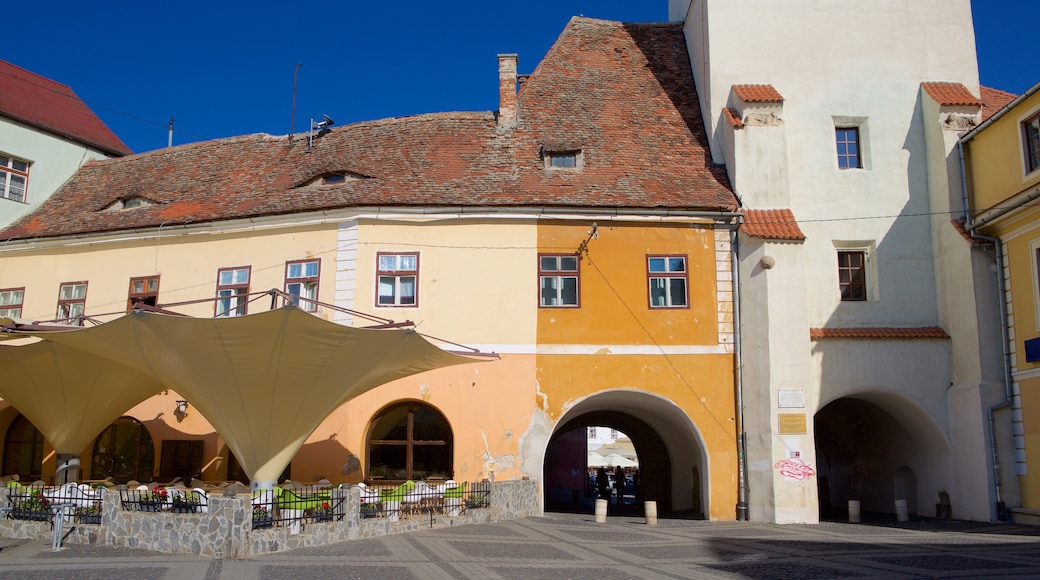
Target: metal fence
(78, 503)
(163, 499)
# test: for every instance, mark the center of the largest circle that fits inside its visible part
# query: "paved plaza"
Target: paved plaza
(574, 546)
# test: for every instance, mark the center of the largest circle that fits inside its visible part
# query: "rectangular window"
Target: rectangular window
(301, 281)
(1031, 128)
(232, 290)
(14, 177)
(398, 276)
(667, 277)
(144, 290)
(852, 275)
(558, 280)
(848, 147)
(613, 434)
(11, 302)
(72, 300)
(592, 432)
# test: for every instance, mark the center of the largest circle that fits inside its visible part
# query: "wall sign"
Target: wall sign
(791, 398)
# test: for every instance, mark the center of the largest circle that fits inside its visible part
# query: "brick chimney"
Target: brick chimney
(507, 91)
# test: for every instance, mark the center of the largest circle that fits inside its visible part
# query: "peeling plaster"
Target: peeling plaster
(424, 392)
(533, 443)
(545, 398)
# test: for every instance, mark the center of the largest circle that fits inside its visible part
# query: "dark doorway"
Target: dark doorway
(23, 450)
(124, 451)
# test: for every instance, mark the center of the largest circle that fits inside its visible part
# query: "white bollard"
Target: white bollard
(601, 511)
(853, 511)
(650, 509)
(902, 515)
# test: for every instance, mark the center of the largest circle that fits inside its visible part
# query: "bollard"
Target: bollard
(853, 511)
(650, 509)
(601, 511)
(901, 512)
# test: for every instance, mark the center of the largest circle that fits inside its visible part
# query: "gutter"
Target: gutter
(998, 248)
(742, 478)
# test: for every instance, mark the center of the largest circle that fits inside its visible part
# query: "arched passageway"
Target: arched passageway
(878, 449)
(672, 461)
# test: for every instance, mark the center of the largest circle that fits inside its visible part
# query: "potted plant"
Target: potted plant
(262, 517)
(185, 503)
(370, 509)
(154, 500)
(323, 512)
(90, 514)
(35, 507)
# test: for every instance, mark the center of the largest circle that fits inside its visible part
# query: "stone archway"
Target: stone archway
(672, 459)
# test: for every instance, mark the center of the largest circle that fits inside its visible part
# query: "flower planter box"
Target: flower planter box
(89, 519)
(185, 507)
(150, 505)
(31, 515)
(323, 516)
(263, 523)
(370, 510)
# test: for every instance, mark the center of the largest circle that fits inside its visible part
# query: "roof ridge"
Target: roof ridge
(37, 75)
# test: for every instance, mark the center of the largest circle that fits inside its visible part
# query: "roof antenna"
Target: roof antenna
(321, 126)
(169, 135)
(292, 122)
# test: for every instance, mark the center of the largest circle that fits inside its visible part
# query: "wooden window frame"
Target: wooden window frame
(1031, 142)
(306, 304)
(844, 143)
(409, 442)
(7, 173)
(239, 293)
(668, 274)
(848, 281)
(397, 275)
(144, 295)
(558, 275)
(65, 305)
(8, 308)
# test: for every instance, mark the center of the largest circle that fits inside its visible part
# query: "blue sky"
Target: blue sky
(226, 68)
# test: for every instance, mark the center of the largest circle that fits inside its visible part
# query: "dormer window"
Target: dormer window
(333, 178)
(133, 202)
(563, 159)
(129, 203)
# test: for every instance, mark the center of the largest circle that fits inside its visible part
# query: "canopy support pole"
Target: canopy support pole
(68, 468)
(258, 485)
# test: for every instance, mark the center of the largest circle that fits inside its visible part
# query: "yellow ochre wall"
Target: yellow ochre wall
(996, 158)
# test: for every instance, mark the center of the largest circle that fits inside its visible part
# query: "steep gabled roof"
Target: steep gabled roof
(40, 102)
(622, 94)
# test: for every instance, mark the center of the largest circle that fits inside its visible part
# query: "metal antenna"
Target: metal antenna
(292, 121)
(169, 135)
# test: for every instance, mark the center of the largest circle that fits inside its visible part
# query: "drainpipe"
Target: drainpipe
(742, 479)
(1005, 348)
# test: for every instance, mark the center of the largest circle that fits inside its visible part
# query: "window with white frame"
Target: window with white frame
(398, 279)
(1031, 134)
(72, 300)
(667, 276)
(11, 302)
(558, 280)
(232, 290)
(301, 281)
(14, 178)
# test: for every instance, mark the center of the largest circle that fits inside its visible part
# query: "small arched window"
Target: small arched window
(23, 450)
(409, 440)
(124, 451)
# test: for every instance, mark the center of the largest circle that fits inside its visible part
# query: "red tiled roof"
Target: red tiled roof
(623, 92)
(994, 100)
(959, 226)
(926, 332)
(38, 101)
(758, 93)
(951, 94)
(772, 224)
(733, 118)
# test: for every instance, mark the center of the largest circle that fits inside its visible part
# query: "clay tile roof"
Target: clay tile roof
(733, 118)
(758, 94)
(624, 92)
(959, 226)
(951, 94)
(40, 102)
(772, 224)
(994, 100)
(927, 332)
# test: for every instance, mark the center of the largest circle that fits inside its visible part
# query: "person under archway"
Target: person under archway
(603, 483)
(619, 484)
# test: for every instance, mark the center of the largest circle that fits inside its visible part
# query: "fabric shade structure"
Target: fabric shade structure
(71, 396)
(264, 381)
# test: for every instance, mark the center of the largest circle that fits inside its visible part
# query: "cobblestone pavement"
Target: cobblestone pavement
(574, 546)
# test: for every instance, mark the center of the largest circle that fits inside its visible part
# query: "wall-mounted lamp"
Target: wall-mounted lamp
(181, 410)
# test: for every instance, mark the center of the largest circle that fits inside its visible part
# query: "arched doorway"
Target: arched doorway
(23, 450)
(671, 455)
(877, 448)
(409, 440)
(124, 451)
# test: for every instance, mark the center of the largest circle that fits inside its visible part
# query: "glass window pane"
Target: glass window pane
(295, 270)
(386, 289)
(569, 263)
(311, 269)
(294, 289)
(657, 265)
(407, 289)
(676, 264)
(241, 276)
(657, 292)
(387, 263)
(677, 289)
(310, 290)
(569, 291)
(20, 165)
(407, 262)
(549, 264)
(548, 291)
(225, 277)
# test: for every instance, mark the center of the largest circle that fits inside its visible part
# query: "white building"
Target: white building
(46, 134)
(869, 337)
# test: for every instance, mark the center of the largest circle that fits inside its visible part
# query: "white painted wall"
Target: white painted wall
(53, 160)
